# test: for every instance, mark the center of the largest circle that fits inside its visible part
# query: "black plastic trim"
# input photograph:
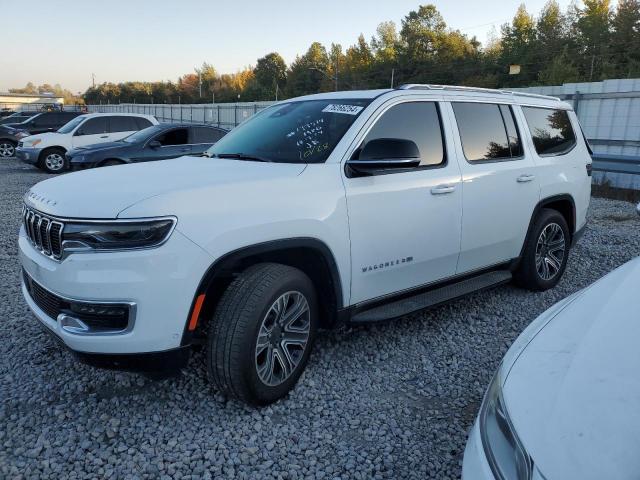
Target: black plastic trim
(346, 314)
(541, 204)
(224, 266)
(166, 361)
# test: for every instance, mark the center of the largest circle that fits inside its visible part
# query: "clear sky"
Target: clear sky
(65, 41)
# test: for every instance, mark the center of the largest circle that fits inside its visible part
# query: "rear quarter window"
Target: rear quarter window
(550, 129)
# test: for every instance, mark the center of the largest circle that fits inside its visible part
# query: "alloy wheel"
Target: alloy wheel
(550, 251)
(283, 338)
(7, 150)
(54, 162)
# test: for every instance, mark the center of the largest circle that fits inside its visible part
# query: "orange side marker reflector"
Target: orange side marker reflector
(193, 322)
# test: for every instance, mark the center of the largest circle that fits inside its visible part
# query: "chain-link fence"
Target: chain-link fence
(225, 115)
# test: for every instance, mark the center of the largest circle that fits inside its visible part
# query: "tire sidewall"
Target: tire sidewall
(547, 217)
(259, 393)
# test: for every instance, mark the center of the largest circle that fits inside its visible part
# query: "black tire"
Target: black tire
(527, 275)
(109, 163)
(7, 148)
(51, 157)
(233, 331)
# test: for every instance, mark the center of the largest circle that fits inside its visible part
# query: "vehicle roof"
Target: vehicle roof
(452, 91)
(117, 114)
(178, 125)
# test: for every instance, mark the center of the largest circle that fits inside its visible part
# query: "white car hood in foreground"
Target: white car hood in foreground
(106, 192)
(574, 392)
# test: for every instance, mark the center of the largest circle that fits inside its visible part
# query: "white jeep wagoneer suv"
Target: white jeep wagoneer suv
(340, 207)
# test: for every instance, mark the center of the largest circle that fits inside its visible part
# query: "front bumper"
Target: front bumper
(28, 155)
(161, 282)
(475, 465)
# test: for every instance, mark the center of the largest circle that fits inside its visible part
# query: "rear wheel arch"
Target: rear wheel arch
(564, 204)
(312, 256)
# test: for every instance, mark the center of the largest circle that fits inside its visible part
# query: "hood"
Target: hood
(105, 192)
(573, 394)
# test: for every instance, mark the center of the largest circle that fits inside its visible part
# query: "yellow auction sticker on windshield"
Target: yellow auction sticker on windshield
(342, 108)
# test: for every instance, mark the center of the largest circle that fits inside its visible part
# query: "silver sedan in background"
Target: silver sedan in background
(565, 401)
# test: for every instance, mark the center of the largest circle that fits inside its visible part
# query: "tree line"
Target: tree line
(587, 42)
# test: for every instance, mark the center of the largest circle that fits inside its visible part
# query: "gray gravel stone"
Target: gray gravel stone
(387, 401)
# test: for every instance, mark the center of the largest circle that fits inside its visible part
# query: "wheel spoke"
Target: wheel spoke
(282, 338)
(553, 262)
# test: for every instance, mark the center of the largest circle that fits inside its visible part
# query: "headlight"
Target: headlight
(117, 235)
(504, 451)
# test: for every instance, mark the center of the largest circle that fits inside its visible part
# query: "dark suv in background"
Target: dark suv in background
(158, 142)
(45, 122)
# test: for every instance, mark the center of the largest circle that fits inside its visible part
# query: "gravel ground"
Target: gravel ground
(389, 401)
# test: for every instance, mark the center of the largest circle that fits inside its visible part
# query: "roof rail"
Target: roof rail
(426, 86)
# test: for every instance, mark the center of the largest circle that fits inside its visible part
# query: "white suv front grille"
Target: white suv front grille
(44, 232)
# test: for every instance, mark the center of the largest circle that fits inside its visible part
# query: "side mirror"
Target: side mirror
(154, 144)
(384, 154)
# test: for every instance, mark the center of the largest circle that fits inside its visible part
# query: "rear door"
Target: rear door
(500, 188)
(93, 130)
(121, 126)
(201, 138)
(405, 224)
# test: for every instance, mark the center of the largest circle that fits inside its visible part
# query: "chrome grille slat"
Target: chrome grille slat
(44, 232)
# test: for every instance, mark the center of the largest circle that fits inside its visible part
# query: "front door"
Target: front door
(94, 130)
(405, 225)
(169, 144)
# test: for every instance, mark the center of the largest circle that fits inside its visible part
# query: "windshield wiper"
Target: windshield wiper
(242, 156)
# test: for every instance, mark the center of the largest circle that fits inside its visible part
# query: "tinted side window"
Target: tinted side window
(483, 131)
(48, 119)
(178, 136)
(551, 130)
(94, 126)
(142, 123)
(206, 135)
(123, 124)
(415, 121)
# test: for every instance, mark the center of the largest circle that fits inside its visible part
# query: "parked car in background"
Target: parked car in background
(17, 117)
(564, 401)
(319, 210)
(5, 112)
(157, 142)
(43, 122)
(8, 142)
(48, 151)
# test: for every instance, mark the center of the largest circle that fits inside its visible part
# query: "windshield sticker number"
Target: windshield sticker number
(342, 108)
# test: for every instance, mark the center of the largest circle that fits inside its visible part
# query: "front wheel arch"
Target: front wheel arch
(310, 255)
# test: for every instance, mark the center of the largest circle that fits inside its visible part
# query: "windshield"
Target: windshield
(142, 135)
(294, 132)
(72, 124)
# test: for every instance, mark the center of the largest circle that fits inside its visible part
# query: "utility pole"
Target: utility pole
(337, 58)
(276, 90)
(393, 70)
(199, 83)
(93, 80)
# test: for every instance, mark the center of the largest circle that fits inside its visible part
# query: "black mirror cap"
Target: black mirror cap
(154, 144)
(389, 149)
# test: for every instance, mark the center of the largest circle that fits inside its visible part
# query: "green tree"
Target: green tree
(518, 42)
(309, 72)
(593, 26)
(270, 76)
(625, 38)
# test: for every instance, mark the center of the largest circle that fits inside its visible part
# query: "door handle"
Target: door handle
(442, 189)
(525, 178)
